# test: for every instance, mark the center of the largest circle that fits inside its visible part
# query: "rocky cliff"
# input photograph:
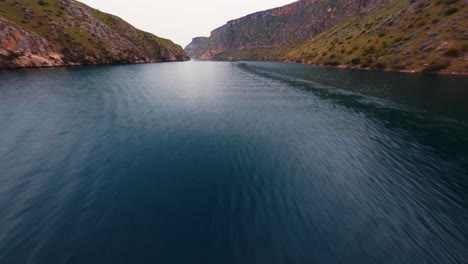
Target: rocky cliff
(406, 35)
(283, 26)
(195, 44)
(36, 33)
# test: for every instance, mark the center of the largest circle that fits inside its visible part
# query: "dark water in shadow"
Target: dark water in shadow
(205, 162)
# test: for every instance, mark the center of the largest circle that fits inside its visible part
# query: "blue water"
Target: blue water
(232, 162)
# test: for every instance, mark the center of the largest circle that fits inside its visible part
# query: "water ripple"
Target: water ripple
(244, 162)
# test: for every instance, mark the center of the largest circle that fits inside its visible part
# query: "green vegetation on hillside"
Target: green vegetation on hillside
(85, 35)
(405, 35)
(115, 23)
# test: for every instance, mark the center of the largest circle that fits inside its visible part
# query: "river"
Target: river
(232, 162)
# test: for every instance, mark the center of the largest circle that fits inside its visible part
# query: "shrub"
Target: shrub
(397, 40)
(465, 47)
(380, 66)
(356, 61)
(399, 67)
(332, 63)
(436, 66)
(369, 50)
(452, 53)
(11, 56)
(451, 11)
(310, 55)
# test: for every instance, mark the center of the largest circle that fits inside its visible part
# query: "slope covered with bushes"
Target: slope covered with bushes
(67, 32)
(404, 35)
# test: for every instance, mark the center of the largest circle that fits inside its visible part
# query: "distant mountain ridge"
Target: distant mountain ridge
(35, 33)
(405, 35)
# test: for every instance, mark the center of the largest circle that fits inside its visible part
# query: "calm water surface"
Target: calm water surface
(232, 162)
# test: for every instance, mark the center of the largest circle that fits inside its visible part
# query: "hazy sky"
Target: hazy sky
(180, 20)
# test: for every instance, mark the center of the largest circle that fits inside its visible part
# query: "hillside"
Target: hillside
(403, 35)
(195, 44)
(36, 33)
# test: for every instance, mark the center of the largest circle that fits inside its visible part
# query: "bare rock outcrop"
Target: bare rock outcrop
(25, 49)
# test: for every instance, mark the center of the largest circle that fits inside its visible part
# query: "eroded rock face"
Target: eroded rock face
(195, 45)
(283, 26)
(25, 49)
(67, 32)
